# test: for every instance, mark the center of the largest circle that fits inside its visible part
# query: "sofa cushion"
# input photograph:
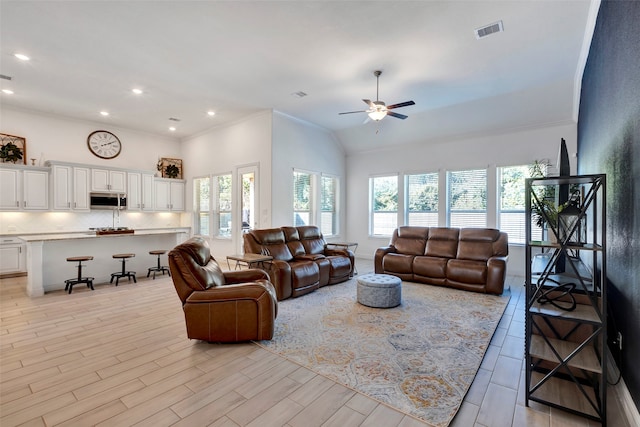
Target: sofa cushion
(198, 248)
(311, 238)
(430, 266)
(304, 273)
(212, 275)
(442, 243)
(477, 243)
(467, 271)
(398, 263)
(410, 240)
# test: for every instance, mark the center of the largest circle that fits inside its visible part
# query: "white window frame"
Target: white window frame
(391, 216)
(469, 212)
(429, 219)
(335, 219)
(517, 234)
(214, 210)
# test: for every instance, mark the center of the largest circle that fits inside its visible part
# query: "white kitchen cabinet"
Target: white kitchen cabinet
(140, 191)
(24, 188)
(169, 194)
(10, 189)
(106, 180)
(70, 188)
(13, 255)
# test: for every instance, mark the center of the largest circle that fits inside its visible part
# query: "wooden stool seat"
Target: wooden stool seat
(158, 268)
(88, 280)
(123, 273)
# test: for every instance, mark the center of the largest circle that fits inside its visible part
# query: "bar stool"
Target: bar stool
(159, 268)
(123, 273)
(88, 280)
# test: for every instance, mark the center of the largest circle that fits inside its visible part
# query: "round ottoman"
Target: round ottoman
(379, 290)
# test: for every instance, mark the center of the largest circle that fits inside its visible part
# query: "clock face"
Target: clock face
(104, 144)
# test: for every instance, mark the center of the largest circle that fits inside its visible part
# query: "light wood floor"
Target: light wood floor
(120, 356)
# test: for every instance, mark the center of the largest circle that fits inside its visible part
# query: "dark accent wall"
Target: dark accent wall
(609, 142)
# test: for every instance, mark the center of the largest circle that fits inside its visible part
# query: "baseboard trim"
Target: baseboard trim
(622, 394)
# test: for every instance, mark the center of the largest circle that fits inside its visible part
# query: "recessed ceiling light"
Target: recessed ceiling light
(22, 57)
(7, 91)
(172, 129)
(137, 91)
(211, 113)
(104, 113)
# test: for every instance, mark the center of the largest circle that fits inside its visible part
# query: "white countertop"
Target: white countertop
(92, 234)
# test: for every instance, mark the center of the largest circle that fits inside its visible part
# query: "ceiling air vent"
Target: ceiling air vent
(174, 119)
(489, 29)
(2, 76)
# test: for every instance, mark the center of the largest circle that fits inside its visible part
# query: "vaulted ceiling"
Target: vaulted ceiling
(240, 57)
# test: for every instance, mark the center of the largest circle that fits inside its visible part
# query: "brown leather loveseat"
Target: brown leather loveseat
(301, 261)
(473, 259)
(221, 306)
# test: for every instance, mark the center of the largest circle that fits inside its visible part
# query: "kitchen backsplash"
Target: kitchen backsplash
(51, 222)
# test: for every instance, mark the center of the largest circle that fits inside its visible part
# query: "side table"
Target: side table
(250, 260)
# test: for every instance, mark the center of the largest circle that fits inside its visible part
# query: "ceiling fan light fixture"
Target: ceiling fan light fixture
(377, 115)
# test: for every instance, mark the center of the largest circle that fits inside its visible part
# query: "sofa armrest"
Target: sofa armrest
(496, 273)
(379, 255)
(280, 276)
(249, 291)
(242, 276)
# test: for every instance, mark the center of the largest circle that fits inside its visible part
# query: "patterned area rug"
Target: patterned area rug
(420, 357)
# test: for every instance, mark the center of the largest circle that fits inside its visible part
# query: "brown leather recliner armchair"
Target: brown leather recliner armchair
(221, 306)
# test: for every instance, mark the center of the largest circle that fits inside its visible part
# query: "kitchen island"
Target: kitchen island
(47, 267)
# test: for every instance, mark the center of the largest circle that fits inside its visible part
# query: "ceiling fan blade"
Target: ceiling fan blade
(401, 104)
(367, 120)
(396, 115)
(369, 103)
(351, 112)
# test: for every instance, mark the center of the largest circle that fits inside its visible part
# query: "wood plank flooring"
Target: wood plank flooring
(120, 356)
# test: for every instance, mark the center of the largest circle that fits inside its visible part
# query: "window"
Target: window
(201, 193)
(384, 205)
(467, 198)
(222, 214)
(212, 199)
(511, 201)
(422, 199)
(328, 204)
(302, 198)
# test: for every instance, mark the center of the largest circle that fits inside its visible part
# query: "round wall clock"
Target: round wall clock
(104, 144)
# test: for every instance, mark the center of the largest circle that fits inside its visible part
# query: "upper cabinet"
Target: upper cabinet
(70, 188)
(24, 188)
(106, 180)
(140, 191)
(169, 194)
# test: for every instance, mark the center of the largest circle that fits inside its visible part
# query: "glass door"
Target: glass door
(248, 212)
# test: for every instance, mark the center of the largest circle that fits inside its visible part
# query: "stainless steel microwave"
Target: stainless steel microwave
(108, 201)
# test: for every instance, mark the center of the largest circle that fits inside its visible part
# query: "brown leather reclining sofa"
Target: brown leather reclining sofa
(473, 259)
(221, 306)
(301, 261)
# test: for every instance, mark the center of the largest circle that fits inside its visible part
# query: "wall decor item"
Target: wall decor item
(104, 144)
(171, 168)
(13, 149)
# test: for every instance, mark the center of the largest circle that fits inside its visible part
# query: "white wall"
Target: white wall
(301, 145)
(224, 149)
(503, 149)
(51, 137)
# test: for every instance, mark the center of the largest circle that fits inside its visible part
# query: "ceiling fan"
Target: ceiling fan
(378, 109)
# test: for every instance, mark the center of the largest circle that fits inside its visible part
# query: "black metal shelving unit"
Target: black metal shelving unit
(566, 312)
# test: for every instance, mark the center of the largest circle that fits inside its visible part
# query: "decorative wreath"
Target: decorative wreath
(10, 152)
(171, 171)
